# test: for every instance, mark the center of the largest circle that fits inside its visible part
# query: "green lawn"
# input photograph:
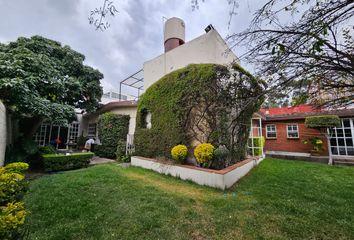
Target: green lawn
(278, 200)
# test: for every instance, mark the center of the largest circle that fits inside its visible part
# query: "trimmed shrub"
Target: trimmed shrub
(49, 149)
(323, 121)
(112, 131)
(204, 153)
(12, 184)
(60, 162)
(179, 153)
(12, 216)
(221, 155)
(12, 189)
(120, 151)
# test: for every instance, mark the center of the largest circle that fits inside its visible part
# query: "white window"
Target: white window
(73, 131)
(293, 131)
(342, 138)
(91, 130)
(271, 131)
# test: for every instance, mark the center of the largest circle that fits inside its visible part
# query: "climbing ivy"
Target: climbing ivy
(112, 132)
(199, 103)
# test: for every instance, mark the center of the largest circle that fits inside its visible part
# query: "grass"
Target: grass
(278, 200)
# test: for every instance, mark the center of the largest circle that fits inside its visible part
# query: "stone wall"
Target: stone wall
(3, 133)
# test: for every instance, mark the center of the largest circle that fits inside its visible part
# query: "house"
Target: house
(88, 124)
(284, 131)
(210, 47)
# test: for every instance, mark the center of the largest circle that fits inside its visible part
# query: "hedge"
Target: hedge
(112, 131)
(60, 162)
(323, 121)
(217, 94)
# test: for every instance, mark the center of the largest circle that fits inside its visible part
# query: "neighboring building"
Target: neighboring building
(284, 130)
(112, 96)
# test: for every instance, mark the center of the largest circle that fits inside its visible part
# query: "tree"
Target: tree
(42, 80)
(323, 123)
(318, 45)
(312, 53)
(98, 15)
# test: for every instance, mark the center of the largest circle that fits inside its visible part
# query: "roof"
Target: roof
(112, 105)
(301, 112)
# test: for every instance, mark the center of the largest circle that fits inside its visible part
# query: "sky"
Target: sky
(135, 34)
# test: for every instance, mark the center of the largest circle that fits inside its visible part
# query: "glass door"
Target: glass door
(342, 138)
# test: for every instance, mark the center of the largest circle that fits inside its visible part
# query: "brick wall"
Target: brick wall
(283, 143)
(2, 133)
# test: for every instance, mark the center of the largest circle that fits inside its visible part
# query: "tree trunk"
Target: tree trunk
(330, 158)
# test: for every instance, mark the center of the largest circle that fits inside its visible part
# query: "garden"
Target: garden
(279, 199)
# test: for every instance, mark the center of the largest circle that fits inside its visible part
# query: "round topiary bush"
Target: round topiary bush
(204, 153)
(221, 154)
(179, 153)
(199, 103)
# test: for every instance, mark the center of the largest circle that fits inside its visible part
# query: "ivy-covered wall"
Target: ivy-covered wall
(199, 103)
(112, 131)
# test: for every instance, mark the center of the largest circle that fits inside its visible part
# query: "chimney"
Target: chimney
(174, 33)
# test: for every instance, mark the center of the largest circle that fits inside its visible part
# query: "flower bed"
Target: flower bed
(221, 179)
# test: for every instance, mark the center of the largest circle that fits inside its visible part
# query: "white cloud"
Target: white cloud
(135, 34)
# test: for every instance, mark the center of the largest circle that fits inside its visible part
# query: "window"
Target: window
(73, 131)
(293, 131)
(342, 138)
(91, 131)
(271, 131)
(145, 119)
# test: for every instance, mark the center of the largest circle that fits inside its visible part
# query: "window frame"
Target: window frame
(275, 131)
(88, 130)
(297, 130)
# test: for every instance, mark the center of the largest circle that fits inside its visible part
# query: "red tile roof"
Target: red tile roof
(300, 112)
(289, 110)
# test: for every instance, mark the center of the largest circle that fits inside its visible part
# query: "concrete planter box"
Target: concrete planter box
(221, 179)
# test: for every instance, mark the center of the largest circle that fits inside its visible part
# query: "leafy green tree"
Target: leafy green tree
(42, 80)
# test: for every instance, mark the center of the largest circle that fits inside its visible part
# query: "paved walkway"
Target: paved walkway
(98, 160)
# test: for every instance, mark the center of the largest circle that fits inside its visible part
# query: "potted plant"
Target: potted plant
(81, 140)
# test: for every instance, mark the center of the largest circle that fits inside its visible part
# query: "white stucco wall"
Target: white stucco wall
(131, 111)
(3, 133)
(208, 48)
(211, 179)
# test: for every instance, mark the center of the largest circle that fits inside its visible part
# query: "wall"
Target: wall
(3, 133)
(283, 143)
(208, 48)
(131, 111)
(221, 179)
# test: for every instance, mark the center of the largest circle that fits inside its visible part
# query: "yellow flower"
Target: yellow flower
(204, 153)
(179, 153)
